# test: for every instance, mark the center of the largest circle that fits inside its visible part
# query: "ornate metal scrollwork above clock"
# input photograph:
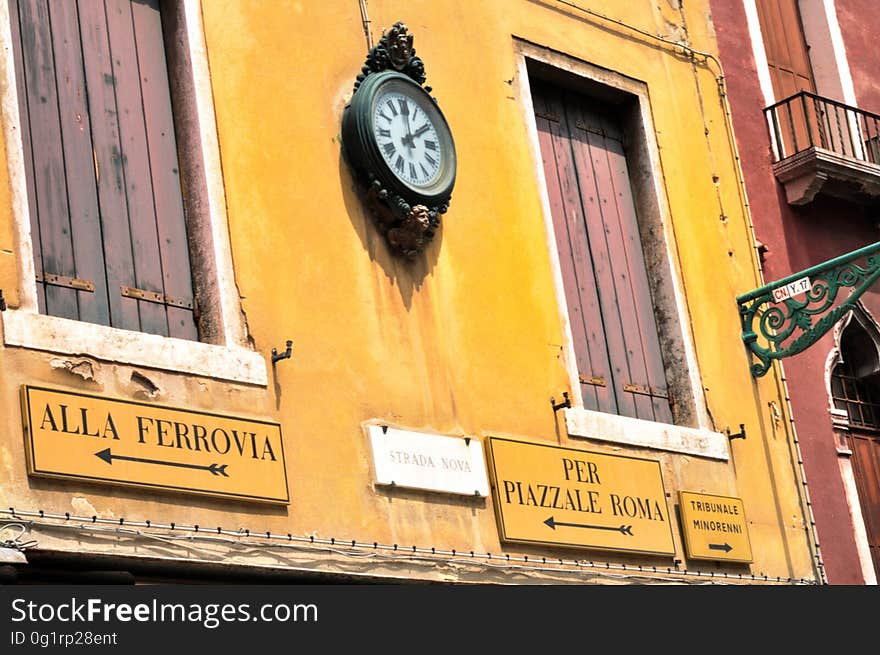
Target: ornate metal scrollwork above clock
(399, 144)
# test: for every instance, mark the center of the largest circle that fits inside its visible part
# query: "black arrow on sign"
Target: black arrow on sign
(623, 529)
(726, 547)
(108, 457)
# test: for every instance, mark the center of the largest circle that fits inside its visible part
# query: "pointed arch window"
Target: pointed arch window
(855, 380)
(855, 388)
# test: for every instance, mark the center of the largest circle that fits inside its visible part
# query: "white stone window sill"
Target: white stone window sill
(646, 434)
(26, 329)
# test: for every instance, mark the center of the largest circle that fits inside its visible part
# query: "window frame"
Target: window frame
(841, 429)
(843, 372)
(224, 351)
(698, 438)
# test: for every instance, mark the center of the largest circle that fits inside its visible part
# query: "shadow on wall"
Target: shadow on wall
(167, 502)
(406, 275)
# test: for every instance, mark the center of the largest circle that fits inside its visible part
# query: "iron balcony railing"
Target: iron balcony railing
(806, 121)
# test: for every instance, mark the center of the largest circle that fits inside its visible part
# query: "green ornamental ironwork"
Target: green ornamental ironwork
(786, 317)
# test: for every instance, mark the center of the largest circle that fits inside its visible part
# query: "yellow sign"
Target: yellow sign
(714, 527)
(565, 497)
(76, 435)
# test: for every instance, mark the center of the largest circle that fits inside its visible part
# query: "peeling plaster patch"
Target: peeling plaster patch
(84, 368)
(83, 507)
(6, 459)
(674, 31)
(149, 389)
(244, 320)
(193, 387)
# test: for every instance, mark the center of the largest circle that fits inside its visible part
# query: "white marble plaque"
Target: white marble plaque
(434, 462)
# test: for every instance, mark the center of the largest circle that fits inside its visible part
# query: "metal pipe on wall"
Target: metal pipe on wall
(365, 20)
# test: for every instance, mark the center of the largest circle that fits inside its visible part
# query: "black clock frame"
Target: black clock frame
(407, 216)
(363, 149)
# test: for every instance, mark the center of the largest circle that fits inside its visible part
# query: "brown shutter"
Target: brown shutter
(164, 173)
(600, 251)
(786, 47)
(27, 147)
(79, 162)
(135, 164)
(50, 215)
(859, 395)
(106, 203)
(618, 221)
(866, 470)
(108, 163)
(574, 254)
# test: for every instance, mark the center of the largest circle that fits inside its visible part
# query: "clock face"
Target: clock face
(394, 133)
(407, 138)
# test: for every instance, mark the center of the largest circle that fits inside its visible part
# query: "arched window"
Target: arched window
(855, 388)
(855, 380)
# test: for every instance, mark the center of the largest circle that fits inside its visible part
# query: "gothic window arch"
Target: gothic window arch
(855, 390)
(855, 378)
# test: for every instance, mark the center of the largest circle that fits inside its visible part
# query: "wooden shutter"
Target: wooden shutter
(786, 47)
(788, 59)
(859, 395)
(603, 268)
(866, 470)
(101, 157)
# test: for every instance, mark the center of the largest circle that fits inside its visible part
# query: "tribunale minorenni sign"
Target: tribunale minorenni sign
(715, 527)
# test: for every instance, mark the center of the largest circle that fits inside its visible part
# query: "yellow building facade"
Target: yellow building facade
(470, 339)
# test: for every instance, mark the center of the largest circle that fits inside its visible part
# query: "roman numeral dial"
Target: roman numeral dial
(405, 132)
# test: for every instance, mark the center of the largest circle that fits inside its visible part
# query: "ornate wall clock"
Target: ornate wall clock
(399, 144)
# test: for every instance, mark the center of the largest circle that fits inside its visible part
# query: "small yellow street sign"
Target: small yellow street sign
(714, 527)
(558, 496)
(76, 435)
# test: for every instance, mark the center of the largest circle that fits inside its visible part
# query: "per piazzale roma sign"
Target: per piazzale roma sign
(87, 437)
(557, 496)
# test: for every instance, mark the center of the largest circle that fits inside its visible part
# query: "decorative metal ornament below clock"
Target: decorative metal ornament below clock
(399, 145)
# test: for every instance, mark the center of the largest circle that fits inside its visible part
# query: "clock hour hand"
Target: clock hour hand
(408, 139)
(424, 128)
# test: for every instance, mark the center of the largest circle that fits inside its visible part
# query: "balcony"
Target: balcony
(820, 145)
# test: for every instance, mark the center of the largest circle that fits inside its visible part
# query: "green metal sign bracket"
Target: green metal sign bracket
(786, 317)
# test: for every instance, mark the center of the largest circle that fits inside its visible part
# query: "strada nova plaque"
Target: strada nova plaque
(432, 462)
(86, 437)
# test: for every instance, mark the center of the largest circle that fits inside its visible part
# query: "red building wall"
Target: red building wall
(859, 32)
(797, 238)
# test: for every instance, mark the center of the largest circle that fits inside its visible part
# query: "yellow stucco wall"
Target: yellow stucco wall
(466, 340)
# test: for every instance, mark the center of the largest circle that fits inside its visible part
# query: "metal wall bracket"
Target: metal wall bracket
(285, 355)
(558, 406)
(739, 435)
(2, 302)
(776, 324)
